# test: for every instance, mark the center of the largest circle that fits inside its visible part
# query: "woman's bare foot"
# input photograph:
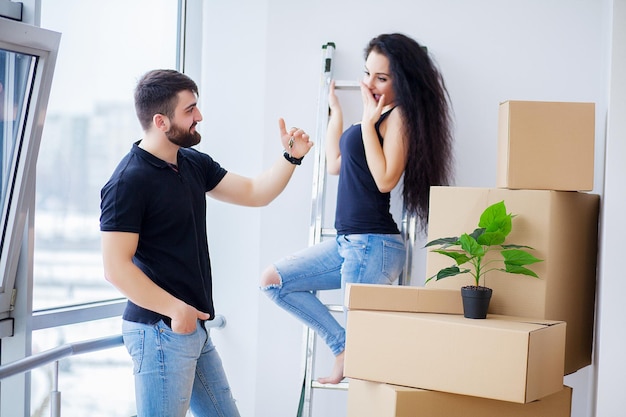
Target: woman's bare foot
(337, 373)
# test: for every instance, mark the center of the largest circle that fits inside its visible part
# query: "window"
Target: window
(27, 57)
(90, 125)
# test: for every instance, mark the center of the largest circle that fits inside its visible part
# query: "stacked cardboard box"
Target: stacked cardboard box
(545, 145)
(403, 299)
(545, 161)
(375, 399)
(417, 337)
(516, 358)
(561, 227)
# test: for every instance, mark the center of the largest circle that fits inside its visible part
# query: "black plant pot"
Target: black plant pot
(475, 301)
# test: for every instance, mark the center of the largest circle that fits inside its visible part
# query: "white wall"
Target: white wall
(262, 60)
(611, 343)
(232, 102)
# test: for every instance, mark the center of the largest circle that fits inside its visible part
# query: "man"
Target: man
(155, 249)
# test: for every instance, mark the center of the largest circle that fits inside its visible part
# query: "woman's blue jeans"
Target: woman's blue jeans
(176, 372)
(364, 259)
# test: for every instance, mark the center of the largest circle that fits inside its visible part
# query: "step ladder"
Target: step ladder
(319, 230)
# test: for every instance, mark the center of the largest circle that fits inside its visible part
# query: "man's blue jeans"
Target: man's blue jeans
(176, 372)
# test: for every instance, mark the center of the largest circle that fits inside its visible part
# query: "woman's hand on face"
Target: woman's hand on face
(295, 141)
(372, 109)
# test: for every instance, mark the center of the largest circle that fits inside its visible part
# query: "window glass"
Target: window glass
(15, 81)
(90, 124)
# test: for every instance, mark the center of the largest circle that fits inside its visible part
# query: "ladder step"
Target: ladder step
(343, 385)
(347, 85)
(338, 308)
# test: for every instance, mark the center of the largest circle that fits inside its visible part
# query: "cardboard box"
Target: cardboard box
(501, 358)
(546, 145)
(374, 399)
(561, 226)
(403, 298)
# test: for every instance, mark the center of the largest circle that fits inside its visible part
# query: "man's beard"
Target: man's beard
(181, 137)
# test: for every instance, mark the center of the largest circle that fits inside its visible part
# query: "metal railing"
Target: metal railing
(71, 349)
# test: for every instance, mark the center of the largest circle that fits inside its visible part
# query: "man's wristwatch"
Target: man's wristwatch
(291, 159)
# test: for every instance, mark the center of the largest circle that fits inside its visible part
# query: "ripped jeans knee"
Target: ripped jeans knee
(271, 291)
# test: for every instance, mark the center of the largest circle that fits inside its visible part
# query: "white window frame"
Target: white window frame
(42, 44)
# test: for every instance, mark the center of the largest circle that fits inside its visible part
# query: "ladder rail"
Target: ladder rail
(317, 229)
(318, 201)
(409, 232)
(319, 168)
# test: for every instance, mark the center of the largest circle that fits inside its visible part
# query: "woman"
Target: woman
(405, 132)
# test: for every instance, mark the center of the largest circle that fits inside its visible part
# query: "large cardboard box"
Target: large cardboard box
(403, 298)
(501, 358)
(561, 226)
(546, 145)
(375, 399)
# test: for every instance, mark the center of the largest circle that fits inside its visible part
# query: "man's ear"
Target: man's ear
(161, 122)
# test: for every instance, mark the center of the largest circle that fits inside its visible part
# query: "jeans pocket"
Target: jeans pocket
(134, 342)
(166, 331)
(354, 242)
(394, 255)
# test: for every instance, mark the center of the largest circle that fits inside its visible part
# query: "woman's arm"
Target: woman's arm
(333, 133)
(386, 162)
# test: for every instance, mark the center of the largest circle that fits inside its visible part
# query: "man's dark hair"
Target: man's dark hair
(157, 93)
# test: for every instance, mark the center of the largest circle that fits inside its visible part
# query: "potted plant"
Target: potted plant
(471, 249)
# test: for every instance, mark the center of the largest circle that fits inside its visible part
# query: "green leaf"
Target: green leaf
(470, 246)
(502, 225)
(517, 269)
(518, 257)
(495, 219)
(459, 257)
(447, 272)
(477, 233)
(450, 272)
(514, 246)
(491, 213)
(446, 241)
(491, 238)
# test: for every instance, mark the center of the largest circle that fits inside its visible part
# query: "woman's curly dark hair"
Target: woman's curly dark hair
(421, 93)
